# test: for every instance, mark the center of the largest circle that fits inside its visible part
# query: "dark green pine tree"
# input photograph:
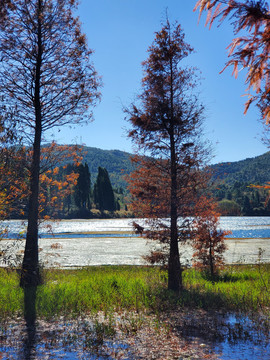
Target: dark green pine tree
(68, 200)
(83, 187)
(103, 192)
(246, 208)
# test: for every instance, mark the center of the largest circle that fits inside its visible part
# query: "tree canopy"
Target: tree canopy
(45, 59)
(249, 50)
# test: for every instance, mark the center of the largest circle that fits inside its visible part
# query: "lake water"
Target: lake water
(71, 243)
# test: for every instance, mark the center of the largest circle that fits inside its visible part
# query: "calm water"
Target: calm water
(72, 243)
(231, 337)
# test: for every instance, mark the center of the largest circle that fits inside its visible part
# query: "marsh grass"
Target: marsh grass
(11, 295)
(95, 289)
(242, 287)
(71, 293)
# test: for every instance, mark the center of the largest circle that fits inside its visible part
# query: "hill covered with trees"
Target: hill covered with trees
(230, 181)
(232, 186)
(252, 170)
(101, 189)
(116, 162)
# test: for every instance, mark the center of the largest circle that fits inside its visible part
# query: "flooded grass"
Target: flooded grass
(106, 311)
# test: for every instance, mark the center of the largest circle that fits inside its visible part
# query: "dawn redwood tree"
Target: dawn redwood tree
(209, 240)
(250, 50)
(46, 76)
(167, 127)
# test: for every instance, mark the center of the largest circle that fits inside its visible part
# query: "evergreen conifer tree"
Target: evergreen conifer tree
(103, 192)
(83, 187)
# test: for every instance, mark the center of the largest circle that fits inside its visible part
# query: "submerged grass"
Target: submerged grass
(133, 288)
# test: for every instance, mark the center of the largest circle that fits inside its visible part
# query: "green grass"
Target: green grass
(98, 289)
(11, 296)
(133, 288)
(243, 287)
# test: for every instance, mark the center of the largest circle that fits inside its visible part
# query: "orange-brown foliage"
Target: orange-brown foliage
(14, 179)
(250, 51)
(209, 241)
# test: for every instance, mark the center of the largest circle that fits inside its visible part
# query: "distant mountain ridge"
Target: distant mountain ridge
(254, 170)
(251, 170)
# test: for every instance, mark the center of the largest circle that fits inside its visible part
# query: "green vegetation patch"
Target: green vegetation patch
(135, 288)
(241, 287)
(11, 295)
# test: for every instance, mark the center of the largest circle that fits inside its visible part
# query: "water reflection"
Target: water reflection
(232, 336)
(31, 338)
(225, 336)
(246, 338)
(29, 343)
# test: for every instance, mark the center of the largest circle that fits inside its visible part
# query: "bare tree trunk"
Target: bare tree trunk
(174, 271)
(30, 275)
(30, 268)
(211, 260)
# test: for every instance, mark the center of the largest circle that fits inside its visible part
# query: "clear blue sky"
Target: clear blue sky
(120, 31)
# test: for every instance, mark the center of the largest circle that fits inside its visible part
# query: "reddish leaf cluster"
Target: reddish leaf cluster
(15, 178)
(249, 51)
(54, 188)
(208, 242)
(13, 187)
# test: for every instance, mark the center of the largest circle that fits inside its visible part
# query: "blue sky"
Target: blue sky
(120, 32)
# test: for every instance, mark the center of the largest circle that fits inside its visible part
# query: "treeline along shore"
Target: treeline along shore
(100, 190)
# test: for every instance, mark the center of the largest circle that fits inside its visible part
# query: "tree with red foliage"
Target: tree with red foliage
(249, 51)
(54, 188)
(46, 76)
(167, 126)
(15, 164)
(209, 241)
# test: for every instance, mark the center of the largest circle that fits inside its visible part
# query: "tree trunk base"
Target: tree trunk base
(30, 277)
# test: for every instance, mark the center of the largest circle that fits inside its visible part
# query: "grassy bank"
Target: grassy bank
(132, 288)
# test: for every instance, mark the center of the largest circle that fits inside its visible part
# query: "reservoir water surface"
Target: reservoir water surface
(73, 243)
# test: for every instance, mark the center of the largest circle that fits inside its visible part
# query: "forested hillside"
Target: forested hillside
(116, 162)
(101, 189)
(253, 170)
(230, 182)
(232, 186)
